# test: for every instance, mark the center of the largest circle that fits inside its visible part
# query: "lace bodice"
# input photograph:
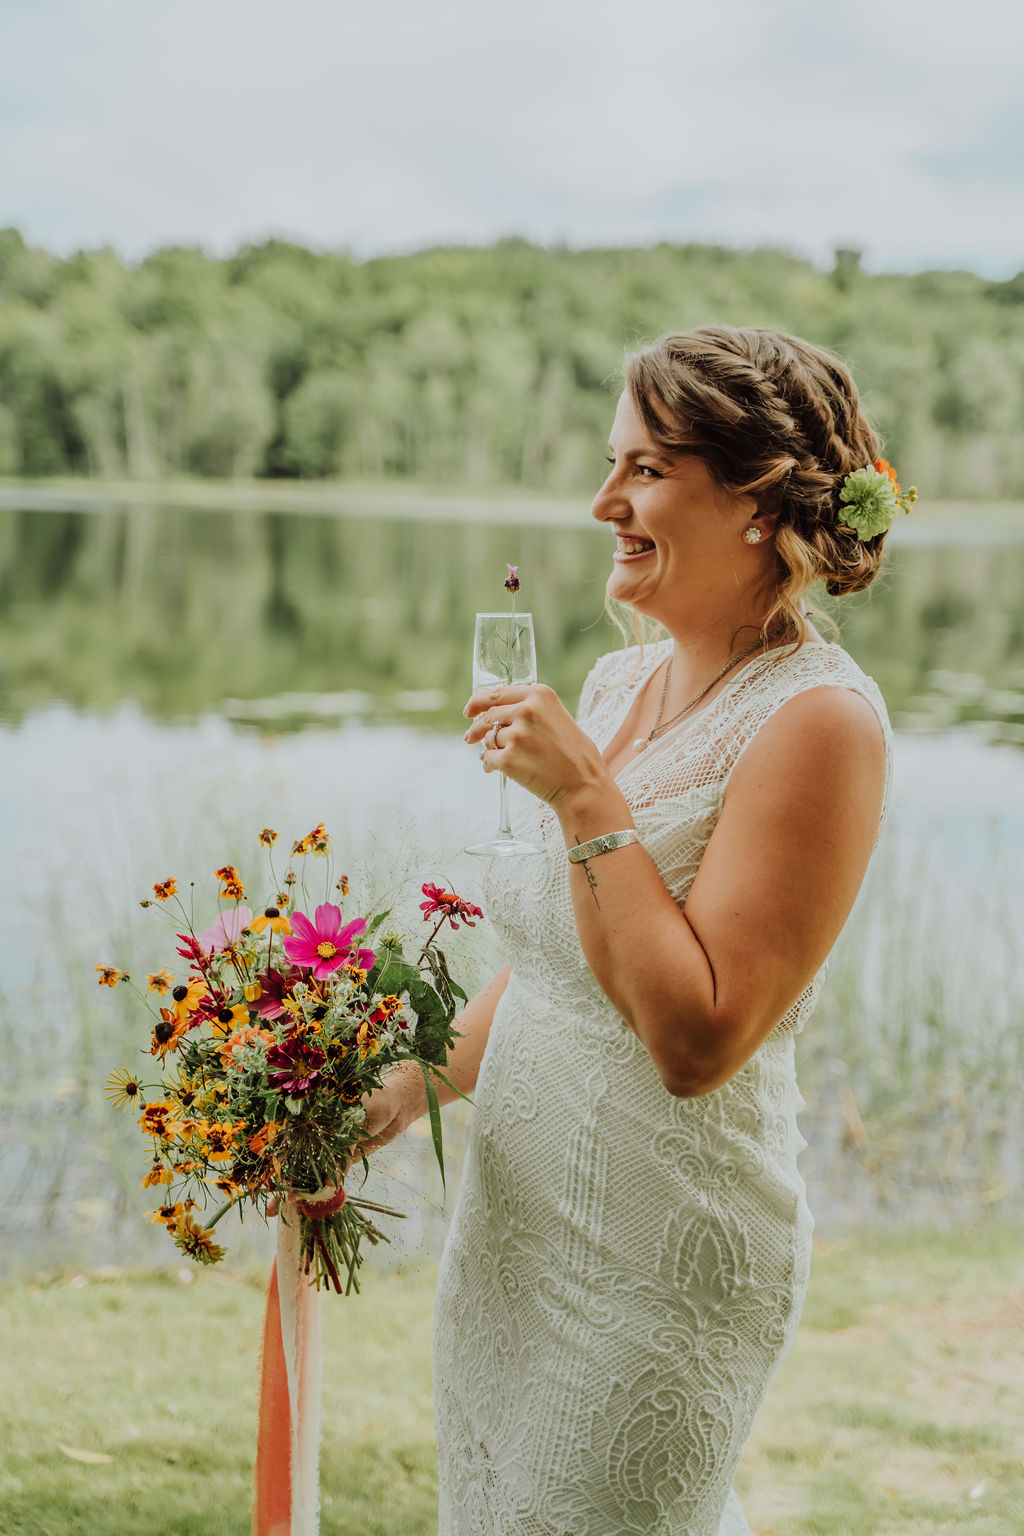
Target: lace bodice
(675, 790)
(624, 1269)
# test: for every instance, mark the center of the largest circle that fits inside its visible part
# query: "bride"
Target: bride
(627, 1261)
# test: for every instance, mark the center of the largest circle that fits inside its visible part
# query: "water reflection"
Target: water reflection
(170, 681)
(283, 619)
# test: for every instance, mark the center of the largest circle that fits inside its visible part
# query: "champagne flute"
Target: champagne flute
(504, 653)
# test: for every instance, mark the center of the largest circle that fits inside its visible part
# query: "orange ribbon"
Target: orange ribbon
(286, 1499)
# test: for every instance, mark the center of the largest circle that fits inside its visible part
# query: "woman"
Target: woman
(627, 1261)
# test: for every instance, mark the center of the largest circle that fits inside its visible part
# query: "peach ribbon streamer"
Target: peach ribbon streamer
(286, 1499)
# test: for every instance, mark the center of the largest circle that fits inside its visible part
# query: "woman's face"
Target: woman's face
(680, 553)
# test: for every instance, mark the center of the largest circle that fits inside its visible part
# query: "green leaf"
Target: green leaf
(435, 1121)
(449, 1084)
(374, 924)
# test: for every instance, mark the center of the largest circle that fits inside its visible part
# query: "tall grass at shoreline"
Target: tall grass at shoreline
(908, 1067)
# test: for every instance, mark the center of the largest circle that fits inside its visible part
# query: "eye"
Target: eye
(647, 469)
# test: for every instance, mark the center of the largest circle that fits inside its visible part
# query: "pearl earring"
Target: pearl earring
(753, 535)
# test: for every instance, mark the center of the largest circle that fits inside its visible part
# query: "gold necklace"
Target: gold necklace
(643, 742)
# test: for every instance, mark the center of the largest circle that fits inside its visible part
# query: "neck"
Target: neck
(699, 652)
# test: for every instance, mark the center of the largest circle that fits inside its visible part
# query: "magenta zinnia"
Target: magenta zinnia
(294, 1066)
(324, 945)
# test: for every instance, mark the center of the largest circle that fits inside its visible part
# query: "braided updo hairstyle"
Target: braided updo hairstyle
(773, 417)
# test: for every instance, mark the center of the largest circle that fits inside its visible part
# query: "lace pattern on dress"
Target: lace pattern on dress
(624, 1270)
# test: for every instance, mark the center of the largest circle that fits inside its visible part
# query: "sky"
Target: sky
(894, 126)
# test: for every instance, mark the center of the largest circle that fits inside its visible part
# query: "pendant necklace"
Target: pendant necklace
(643, 742)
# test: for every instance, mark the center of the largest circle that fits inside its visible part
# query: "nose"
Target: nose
(608, 504)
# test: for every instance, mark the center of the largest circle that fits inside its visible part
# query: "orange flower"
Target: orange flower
(233, 887)
(156, 1119)
(220, 1137)
(109, 975)
(263, 1137)
(195, 1241)
(158, 1174)
(159, 982)
(282, 898)
(164, 889)
(268, 837)
(167, 1034)
(227, 1186)
(885, 468)
(170, 1215)
(242, 1037)
(317, 842)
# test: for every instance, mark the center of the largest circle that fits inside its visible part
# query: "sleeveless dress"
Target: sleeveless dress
(624, 1270)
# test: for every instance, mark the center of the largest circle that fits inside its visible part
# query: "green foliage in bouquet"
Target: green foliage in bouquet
(280, 1026)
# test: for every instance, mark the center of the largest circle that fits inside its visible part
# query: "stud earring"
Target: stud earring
(752, 535)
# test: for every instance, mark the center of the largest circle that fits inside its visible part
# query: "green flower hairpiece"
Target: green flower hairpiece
(871, 498)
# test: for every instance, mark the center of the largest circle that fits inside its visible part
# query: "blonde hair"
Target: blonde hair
(773, 417)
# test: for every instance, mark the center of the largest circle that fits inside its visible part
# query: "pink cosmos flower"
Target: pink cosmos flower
(225, 930)
(324, 945)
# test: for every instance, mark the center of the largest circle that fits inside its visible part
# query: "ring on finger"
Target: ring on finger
(493, 735)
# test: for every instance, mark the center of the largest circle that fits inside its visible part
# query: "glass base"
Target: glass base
(503, 847)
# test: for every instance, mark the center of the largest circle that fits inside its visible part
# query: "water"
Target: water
(173, 680)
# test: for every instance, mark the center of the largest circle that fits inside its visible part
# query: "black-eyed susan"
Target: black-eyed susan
(122, 1088)
(272, 918)
(227, 1019)
(165, 889)
(158, 1174)
(109, 975)
(188, 996)
(168, 1033)
(195, 1242)
(159, 982)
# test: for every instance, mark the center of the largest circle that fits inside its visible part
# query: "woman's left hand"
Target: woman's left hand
(539, 744)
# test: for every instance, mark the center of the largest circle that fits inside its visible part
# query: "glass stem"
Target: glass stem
(505, 829)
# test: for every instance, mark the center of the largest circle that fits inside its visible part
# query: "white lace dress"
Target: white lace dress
(624, 1270)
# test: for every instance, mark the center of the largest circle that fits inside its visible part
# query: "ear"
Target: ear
(767, 515)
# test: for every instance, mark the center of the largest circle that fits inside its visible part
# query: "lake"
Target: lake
(173, 678)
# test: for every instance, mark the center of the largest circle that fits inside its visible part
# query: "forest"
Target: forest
(465, 367)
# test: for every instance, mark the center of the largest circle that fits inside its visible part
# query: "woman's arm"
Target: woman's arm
(703, 986)
(403, 1098)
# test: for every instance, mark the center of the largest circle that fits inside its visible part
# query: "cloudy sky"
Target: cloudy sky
(893, 125)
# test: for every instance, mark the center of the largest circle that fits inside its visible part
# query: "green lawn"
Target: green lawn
(900, 1410)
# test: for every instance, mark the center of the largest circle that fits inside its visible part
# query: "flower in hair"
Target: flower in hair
(871, 498)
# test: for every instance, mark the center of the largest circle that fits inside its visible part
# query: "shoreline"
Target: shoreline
(941, 521)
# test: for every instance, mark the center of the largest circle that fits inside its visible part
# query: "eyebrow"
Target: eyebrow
(642, 453)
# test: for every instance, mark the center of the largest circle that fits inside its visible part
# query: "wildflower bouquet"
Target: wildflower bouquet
(277, 1027)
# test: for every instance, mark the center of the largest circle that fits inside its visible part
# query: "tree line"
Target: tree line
(464, 367)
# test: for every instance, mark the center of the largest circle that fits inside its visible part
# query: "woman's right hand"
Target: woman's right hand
(392, 1108)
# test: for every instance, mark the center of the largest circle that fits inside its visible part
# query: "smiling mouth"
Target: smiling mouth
(632, 546)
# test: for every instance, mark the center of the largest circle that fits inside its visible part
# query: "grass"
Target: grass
(899, 1410)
